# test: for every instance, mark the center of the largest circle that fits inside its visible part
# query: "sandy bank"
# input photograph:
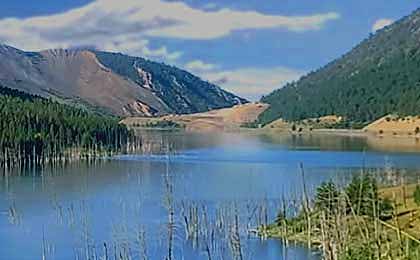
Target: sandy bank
(226, 119)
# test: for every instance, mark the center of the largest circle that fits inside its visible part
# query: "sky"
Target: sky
(249, 47)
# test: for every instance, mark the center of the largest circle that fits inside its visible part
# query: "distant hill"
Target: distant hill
(110, 83)
(378, 77)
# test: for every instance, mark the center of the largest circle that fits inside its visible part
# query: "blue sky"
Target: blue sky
(247, 46)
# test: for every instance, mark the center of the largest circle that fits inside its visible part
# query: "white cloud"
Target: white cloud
(199, 66)
(126, 25)
(198, 24)
(381, 23)
(137, 46)
(252, 83)
(162, 52)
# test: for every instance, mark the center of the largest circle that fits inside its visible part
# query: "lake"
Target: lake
(211, 188)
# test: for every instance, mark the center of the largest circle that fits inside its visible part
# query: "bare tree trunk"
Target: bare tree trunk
(306, 208)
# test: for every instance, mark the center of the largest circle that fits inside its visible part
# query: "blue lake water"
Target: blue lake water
(120, 207)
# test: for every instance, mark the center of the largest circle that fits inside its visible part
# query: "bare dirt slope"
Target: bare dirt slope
(80, 74)
(215, 120)
(395, 125)
(75, 75)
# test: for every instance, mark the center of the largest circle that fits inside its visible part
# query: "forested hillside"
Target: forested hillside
(34, 129)
(378, 77)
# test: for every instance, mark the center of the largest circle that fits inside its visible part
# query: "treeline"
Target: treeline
(378, 77)
(35, 131)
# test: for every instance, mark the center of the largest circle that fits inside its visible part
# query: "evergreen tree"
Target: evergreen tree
(34, 129)
(326, 197)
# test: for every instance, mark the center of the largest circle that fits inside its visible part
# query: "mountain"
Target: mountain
(379, 76)
(111, 83)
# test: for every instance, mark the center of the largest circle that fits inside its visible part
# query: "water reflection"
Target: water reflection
(344, 142)
(119, 206)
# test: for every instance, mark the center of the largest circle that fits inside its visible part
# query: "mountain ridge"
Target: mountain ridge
(94, 78)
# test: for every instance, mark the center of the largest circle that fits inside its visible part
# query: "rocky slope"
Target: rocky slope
(111, 83)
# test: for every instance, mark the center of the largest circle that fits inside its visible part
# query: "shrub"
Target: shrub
(360, 251)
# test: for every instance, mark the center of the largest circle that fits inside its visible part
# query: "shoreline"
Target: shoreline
(322, 131)
(345, 132)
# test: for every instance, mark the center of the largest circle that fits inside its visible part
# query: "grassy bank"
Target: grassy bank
(358, 221)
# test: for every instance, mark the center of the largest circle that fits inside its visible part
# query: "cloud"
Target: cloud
(199, 66)
(128, 25)
(252, 83)
(135, 45)
(162, 52)
(201, 25)
(381, 23)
